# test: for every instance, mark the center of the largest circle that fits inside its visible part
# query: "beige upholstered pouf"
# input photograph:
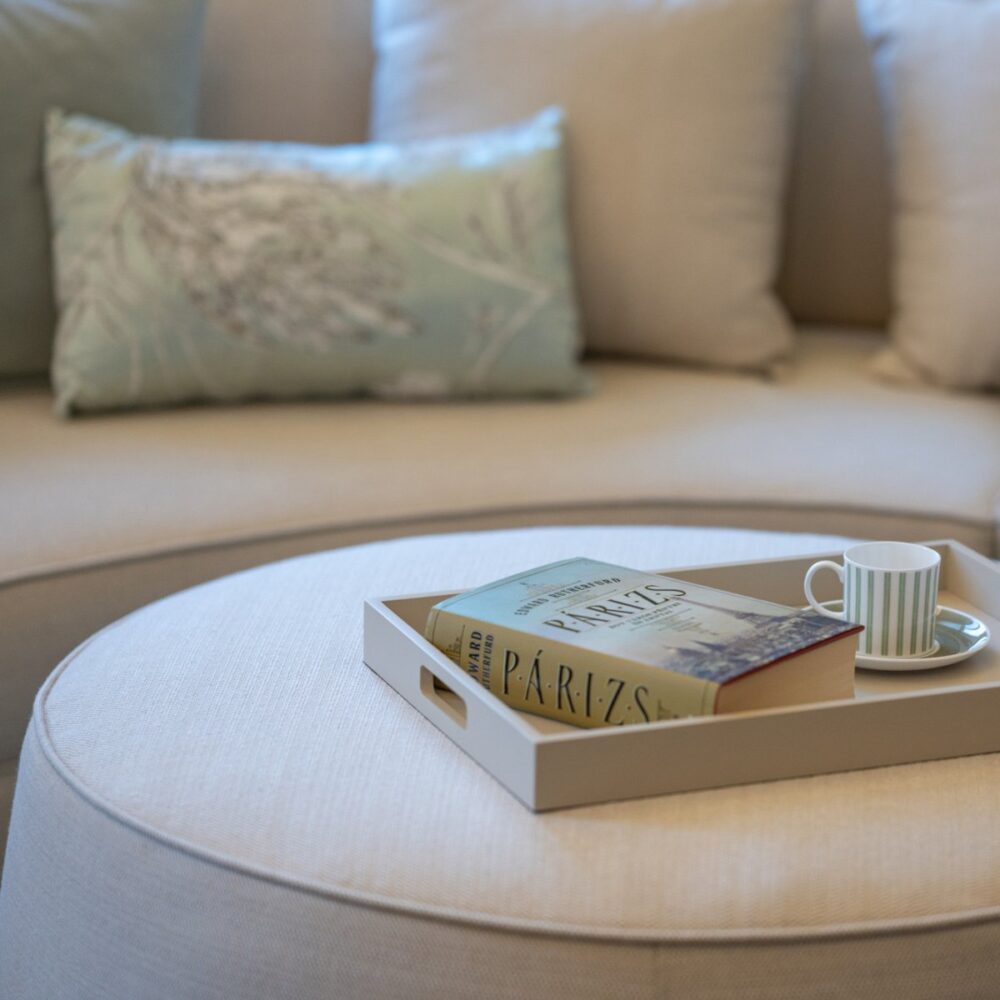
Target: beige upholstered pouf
(217, 799)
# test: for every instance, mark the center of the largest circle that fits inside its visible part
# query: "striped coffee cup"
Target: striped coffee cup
(891, 588)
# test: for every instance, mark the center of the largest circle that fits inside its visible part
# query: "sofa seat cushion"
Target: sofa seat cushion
(826, 437)
(103, 514)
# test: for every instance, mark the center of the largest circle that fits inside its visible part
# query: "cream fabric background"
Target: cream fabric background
(836, 239)
(676, 169)
(297, 71)
(938, 68)
(219, 800)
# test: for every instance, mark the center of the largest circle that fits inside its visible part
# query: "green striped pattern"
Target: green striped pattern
(897, 608)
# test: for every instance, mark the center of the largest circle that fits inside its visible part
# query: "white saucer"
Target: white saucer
(957, 636)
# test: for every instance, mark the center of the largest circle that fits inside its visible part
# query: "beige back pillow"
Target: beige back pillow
(678, 118)
(939, 69)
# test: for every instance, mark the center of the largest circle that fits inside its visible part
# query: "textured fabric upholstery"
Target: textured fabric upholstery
(297, 71)
(836, 260)
(217, 799)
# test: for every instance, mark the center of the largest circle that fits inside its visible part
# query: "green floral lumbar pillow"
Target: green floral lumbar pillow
(194, 270)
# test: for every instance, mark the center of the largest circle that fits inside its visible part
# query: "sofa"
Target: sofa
(101, 515)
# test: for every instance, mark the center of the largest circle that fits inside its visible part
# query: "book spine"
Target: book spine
(564, 682)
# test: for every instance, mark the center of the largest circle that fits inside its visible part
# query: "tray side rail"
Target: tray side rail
(495, 736)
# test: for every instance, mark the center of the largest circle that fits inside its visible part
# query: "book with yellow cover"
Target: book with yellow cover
(594, 644)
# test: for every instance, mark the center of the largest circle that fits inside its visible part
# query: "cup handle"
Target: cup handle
(813, 603)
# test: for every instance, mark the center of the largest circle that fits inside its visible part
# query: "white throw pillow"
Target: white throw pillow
(939, 70)
(678, 121)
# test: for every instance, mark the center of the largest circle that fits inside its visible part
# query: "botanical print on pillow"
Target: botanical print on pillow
(195, 270)
(274, 258)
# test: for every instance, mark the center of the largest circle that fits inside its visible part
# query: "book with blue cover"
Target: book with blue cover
(594, 644)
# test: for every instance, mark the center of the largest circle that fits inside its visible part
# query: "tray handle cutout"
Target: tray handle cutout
(443, 697)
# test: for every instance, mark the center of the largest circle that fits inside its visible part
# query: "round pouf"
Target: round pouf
(217, 799)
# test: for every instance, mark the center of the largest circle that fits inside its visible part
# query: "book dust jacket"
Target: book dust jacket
(595, 644)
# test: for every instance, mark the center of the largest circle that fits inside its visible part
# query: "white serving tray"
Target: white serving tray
(895, 718)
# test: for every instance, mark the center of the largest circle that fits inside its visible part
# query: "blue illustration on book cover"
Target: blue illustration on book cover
(686, 628)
